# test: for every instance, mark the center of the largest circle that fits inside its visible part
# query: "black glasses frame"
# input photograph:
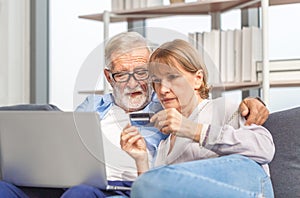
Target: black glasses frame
(130, 74)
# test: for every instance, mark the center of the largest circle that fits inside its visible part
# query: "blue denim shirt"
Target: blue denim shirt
(103, 103)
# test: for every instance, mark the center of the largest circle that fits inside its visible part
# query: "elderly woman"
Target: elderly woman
(210, 152)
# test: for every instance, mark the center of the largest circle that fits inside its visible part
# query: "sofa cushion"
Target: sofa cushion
(285, 167)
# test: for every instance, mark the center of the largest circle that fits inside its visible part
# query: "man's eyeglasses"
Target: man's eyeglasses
(138, 75)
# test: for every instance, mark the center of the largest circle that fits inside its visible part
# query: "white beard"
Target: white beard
(128, 103)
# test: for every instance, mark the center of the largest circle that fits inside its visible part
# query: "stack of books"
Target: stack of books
(119, 5)
(233, 52)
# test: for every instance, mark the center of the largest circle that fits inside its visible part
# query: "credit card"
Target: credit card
(141, 119)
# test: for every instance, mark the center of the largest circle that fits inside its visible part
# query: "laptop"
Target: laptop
(53, 149)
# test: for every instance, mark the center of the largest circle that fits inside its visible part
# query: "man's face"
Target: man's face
(134, 93)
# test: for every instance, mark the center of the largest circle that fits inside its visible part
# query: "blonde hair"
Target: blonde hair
(186, 55)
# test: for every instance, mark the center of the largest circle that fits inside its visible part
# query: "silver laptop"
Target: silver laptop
(52, 149)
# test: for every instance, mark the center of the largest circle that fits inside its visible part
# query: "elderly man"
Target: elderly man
(126, 55)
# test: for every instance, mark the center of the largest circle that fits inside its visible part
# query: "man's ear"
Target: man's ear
(107, 76)
(198, 79)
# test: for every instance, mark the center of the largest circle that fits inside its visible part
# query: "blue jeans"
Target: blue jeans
(228, 176)
(8, 190)
(93, 192)
(11, 191)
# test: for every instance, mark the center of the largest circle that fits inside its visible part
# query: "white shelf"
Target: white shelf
(201, 7)
(237, 86)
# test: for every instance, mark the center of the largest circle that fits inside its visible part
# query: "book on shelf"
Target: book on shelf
(151, 3)
(238, 55)
(117, 5)
(196, 39)
(199, 40)
(176, 1)
(192, 39)
(223, 61)
(251, 52)
(233, 53)
(211, 53)
(230, 68)
(128, 4)
(135, 4)
(143, 3)
(246, 53)
(227, 65)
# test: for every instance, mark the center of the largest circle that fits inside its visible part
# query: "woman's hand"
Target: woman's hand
(133, 143)
(170, 121)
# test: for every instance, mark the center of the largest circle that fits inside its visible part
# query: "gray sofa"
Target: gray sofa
(285, 167)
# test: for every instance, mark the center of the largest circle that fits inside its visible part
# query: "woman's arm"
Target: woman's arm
(252, 141)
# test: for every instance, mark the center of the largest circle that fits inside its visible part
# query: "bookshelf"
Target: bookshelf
(203, 7)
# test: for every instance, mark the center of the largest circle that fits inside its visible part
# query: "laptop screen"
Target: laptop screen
(52, 149)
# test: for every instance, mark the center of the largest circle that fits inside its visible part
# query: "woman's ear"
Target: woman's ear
(198, 79)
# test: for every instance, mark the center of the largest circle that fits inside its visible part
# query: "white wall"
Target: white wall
(284, 43)
(284, 31)
(14, 52)
(71, 41)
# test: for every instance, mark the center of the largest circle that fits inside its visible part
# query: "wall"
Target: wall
(71, 41)
(14, 52)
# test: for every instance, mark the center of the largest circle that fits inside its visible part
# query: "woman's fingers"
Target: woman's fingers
(167, 121)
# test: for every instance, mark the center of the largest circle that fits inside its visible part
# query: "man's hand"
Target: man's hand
(254, 111)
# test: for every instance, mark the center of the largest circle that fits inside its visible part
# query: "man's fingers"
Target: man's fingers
(243, 109)
(263, 116)
(257, 118)
(250, 120)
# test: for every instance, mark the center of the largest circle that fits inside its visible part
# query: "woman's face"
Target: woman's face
(175, 87)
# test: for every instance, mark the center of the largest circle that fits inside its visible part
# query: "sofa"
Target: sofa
(285, 167)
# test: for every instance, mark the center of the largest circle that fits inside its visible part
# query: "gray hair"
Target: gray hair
(123, 43)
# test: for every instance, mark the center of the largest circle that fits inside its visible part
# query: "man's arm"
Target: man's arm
(254, 110)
